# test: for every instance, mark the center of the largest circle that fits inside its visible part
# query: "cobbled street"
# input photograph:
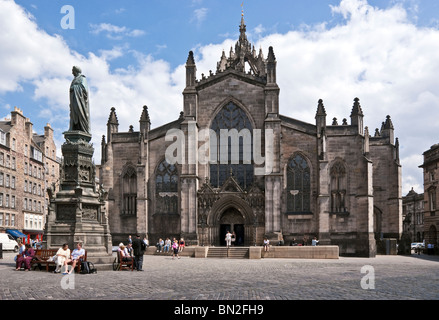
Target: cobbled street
(391, 278)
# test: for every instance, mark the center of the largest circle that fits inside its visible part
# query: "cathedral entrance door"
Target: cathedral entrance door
(233, 221)
(239, 231)
(223, 230)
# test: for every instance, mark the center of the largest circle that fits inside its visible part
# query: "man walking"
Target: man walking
(139, 249)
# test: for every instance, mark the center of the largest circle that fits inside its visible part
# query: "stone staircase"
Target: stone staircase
(228, 253)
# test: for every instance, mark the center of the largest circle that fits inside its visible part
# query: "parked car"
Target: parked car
(8, 242)
(414, 245)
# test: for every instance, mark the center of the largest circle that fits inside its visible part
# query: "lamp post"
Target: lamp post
(255, 225)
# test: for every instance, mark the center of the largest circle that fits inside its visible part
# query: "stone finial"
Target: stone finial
(388, 124)
(321, 108)
(356, 108)
(334, 122)
(190, 59)
(112, 119)
(377, 132)
(271, 57)
(145, 115)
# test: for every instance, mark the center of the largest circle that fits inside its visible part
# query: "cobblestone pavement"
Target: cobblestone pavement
(387, 277)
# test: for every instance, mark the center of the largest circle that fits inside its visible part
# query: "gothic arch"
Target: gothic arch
(166, 188)
(239, 104)
(339, 186)
(297, 183)
(128, 189)
(226, 202)
(232, 115)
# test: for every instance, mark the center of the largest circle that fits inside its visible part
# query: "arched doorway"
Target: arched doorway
(233, 221)
(231, 212)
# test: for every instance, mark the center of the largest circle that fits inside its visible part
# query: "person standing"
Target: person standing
(138, 250)
(175, 247)
(228, 239)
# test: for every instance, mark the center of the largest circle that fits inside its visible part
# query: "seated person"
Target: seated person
(25, 258)
(266, 244)
(159, 245)
(124, 255)
(20, 250)
(167, 245)
(77, 255)
(181, 245)
(61, 256)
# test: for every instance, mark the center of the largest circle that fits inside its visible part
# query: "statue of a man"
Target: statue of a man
(79, 107)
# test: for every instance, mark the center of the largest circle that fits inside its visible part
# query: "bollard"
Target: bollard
(1, 250)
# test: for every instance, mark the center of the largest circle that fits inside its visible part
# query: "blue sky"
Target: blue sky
(133, 53)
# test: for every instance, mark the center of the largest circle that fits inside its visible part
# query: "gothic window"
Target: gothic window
(129, 192)
(166, 187)
(298, 185)
(239, 147)
(338, 187)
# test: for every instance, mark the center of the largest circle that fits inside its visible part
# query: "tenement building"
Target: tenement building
(431, 196)
(28, 165)
(413, 215)
(232, 162)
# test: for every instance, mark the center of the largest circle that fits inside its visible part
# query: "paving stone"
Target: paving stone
(396, 278)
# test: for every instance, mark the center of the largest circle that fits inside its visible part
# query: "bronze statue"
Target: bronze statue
(79, 107)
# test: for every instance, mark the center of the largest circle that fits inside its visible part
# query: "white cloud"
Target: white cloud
(199, 15)
(115, 32)
(377, 55)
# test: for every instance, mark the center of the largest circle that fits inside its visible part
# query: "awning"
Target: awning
(15, 233)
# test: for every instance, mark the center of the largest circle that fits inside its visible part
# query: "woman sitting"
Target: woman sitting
(124, 255)
(25, 258)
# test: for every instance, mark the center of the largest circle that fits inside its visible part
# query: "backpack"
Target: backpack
(87, 267)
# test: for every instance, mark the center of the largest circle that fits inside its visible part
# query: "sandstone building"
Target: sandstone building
(413, 215)
(28, 165)
(431, 195)
(333, 181)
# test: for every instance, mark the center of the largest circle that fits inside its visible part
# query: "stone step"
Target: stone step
(231, 253)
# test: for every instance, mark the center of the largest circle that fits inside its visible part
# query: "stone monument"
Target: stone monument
(77, 212)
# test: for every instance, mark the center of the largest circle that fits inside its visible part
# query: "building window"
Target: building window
(2, 158)
(25, 204)
(13, 163)
(3, 138)
(7, 181)
(338, 187)
(232, 117)
(13, 202)
(432, 199)
(26, 150)
(13, 182)
(166, 187)
(1, 178)
(1, 218)
(1, 199)
(12, 220)
(6, 219)
(129, 192)
(13, 144)
(298, 185)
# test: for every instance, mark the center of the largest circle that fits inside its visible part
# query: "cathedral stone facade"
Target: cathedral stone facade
(334, 182)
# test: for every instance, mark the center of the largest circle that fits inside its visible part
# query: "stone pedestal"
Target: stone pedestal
(77, 212)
